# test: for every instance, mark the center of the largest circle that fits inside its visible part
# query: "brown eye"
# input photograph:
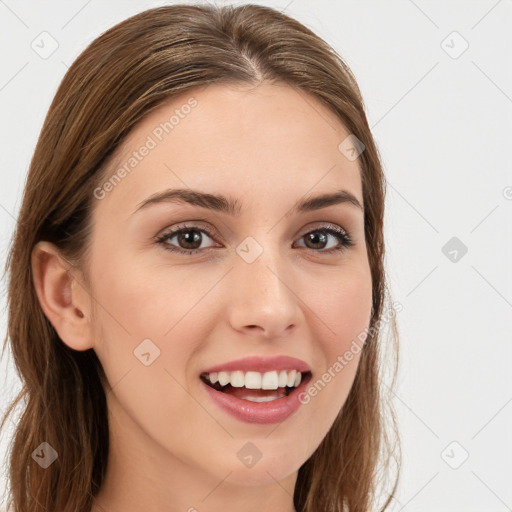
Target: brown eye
(188, 239)
(318, 239)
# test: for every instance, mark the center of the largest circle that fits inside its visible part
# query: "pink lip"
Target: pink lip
(261, 364)
(259, 412)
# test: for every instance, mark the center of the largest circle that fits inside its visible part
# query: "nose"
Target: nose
(263, 299)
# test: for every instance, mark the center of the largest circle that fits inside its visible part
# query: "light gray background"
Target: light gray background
(442, 122)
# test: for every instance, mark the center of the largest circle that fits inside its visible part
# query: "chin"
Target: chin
(264, 469)
(263, 474)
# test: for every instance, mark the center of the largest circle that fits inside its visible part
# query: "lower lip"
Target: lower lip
(275, 411)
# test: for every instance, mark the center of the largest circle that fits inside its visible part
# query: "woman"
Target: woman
(197, 289)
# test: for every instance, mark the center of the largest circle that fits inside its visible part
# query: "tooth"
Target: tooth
(291, 378)
(223, 378)
(263, 398)
(237, 379)
(269, 380)
(253, 380)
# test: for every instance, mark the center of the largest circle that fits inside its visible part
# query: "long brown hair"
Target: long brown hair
(122, 75)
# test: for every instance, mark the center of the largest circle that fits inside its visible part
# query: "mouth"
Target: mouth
(255, 386)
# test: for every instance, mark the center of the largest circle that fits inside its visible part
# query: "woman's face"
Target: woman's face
(260, 280)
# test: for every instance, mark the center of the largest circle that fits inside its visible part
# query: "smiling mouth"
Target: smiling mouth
(254, 388)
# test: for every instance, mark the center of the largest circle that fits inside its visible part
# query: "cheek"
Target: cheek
(351, 313)
(344, 306)
(346, 311)
(149, 313)
(146, 337)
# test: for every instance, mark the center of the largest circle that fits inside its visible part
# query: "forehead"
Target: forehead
(262, 141)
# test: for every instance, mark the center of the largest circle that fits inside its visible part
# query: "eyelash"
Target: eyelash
(342, 236)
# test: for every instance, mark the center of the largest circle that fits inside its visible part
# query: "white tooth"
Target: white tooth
(263, 398)
(298, 377)
(291, 378)
(269, 380)
(283, 379)
(253, 380)
(214, 377)
(223, 378)
(237, 379)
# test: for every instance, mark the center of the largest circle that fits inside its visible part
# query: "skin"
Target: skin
(172, 449)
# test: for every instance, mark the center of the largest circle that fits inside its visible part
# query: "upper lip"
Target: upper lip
(261, 364)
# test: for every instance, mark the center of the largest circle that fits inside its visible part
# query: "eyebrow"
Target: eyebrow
(233, 207)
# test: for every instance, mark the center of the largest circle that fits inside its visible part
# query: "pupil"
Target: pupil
(313, 237)
(191, 239)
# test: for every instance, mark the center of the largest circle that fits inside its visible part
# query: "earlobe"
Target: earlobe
(55, 283)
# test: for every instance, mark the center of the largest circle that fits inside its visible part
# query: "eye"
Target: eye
(189, 236)
(321, 235)
(189, 239)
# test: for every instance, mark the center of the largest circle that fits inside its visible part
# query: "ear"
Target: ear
(63, 298)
